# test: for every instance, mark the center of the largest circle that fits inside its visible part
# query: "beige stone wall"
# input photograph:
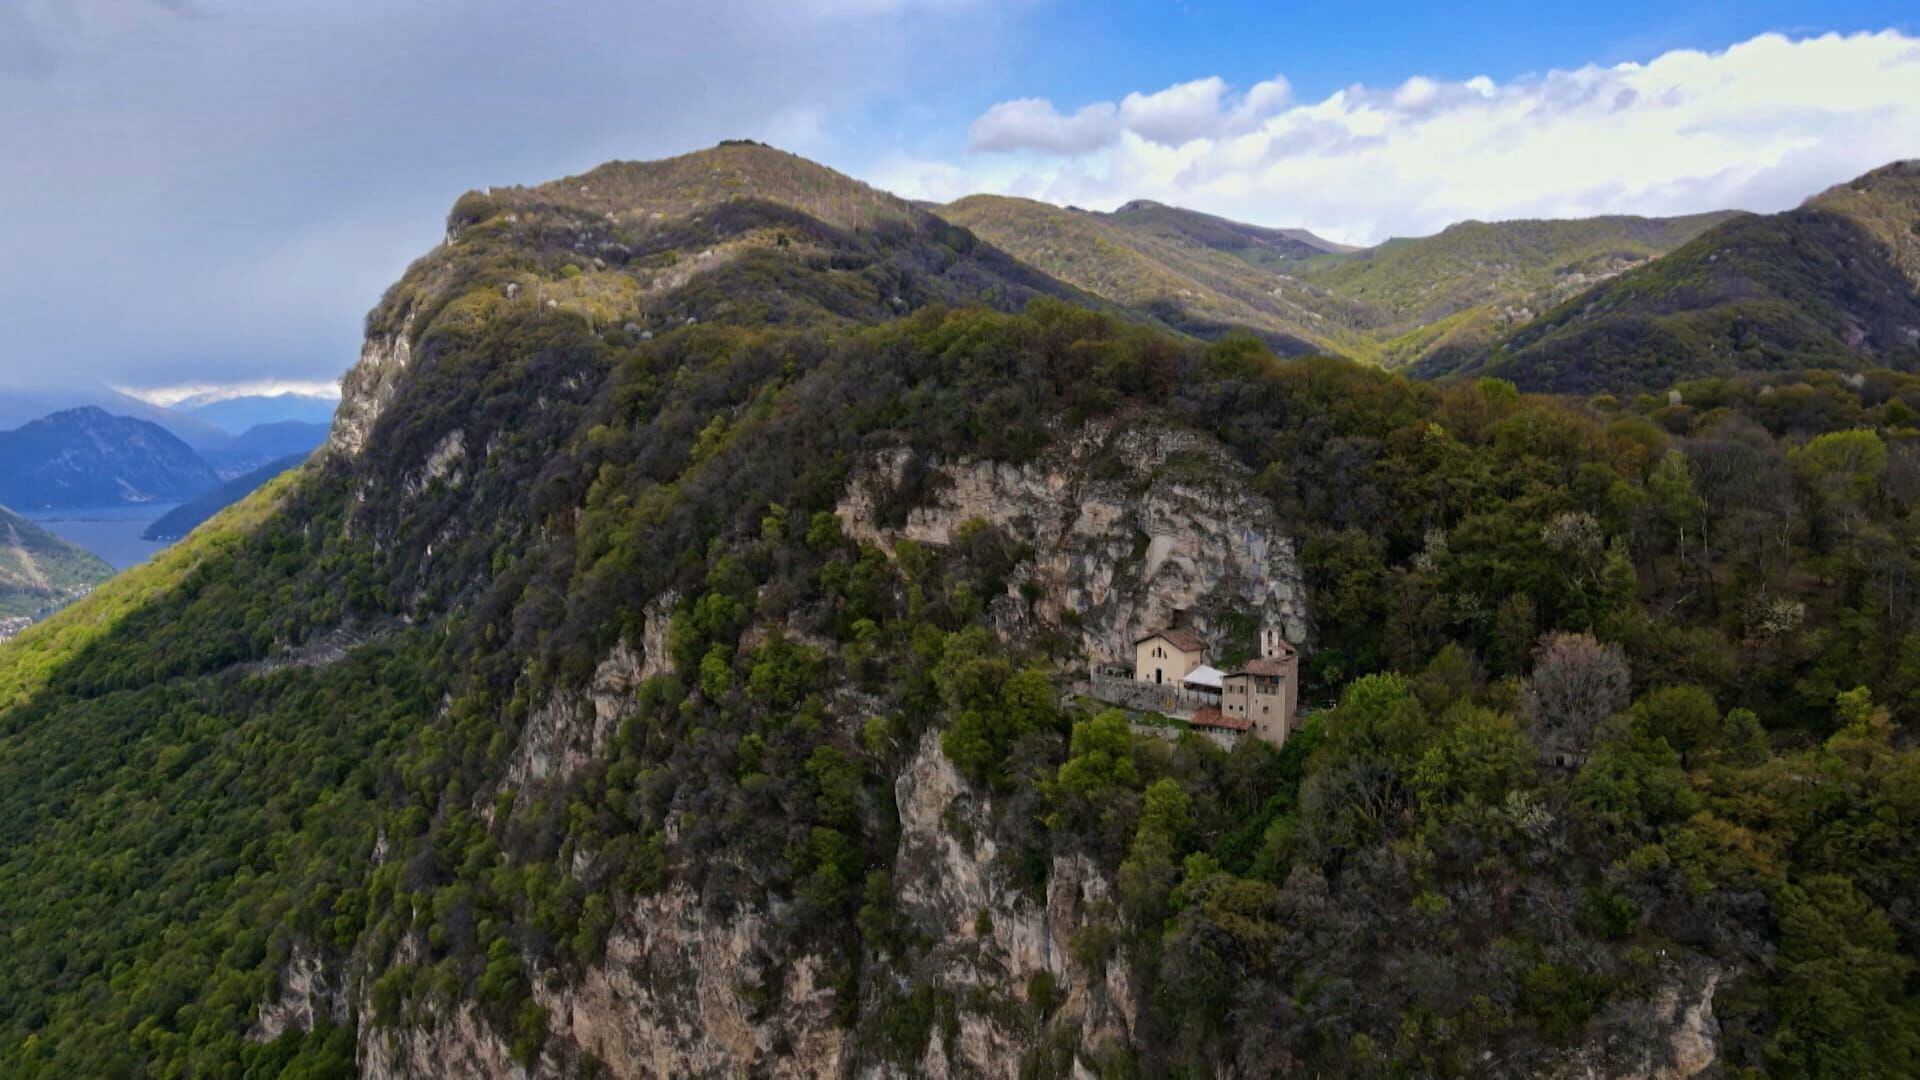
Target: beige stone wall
(1268, 702)
(1159, 654)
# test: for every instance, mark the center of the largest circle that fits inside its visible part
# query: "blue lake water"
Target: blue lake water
(113, 532)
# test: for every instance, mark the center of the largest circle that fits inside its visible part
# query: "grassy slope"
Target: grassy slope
(1190, 286)
(1273, 248)
(1885, 203)
(1401, 302)
(38, 568)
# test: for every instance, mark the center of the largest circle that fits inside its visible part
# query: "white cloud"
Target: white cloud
(1759, 126)
(1203, 108)
(1034, 124)
(191, 395)
(1177, 114)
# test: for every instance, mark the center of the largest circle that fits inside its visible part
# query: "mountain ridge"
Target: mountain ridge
(1831, 284)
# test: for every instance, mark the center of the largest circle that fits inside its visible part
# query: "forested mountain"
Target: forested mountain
(669, 668)
(1456, 293)
(39, 571)
(1833, 284)
(1442, 298)
(87, 458)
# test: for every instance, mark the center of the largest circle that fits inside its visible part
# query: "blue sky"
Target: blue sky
(1322, 45)
(215, 191)
(1089, 49)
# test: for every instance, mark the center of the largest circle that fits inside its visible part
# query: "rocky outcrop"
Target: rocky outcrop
(1130, 523)
(366, 389)
(988, 940)
(308, 994)
(445, 463)
(569, 729)
(456, 1043)
(1672, 1037)
(674, 997)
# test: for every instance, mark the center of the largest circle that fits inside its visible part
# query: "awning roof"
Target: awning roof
(1206, 675)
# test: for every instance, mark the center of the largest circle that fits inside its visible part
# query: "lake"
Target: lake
(112, 532)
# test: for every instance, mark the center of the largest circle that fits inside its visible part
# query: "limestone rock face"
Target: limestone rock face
(308, 994)
(988, 938)
(569, 729)
(1672, 1037)
(458, 1043)
(671, 999)
(367, 388)
(1130, 522)
(683, 991)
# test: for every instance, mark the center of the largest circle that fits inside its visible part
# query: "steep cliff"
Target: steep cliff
(1131, 523)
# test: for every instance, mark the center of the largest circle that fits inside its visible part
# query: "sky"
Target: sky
(200, 194)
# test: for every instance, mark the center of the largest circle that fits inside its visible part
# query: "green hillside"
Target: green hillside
(1189, 286)
(1829, 285)
(39, 571)
(1464, 287)
(1437, 298)
(593, 711)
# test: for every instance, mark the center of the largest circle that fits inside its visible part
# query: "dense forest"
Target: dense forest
(1615, 703)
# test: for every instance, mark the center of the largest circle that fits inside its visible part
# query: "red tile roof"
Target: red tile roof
(1214, 718)
(1184, 640)
(1265, 665)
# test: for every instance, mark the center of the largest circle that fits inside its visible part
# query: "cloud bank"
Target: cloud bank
(1756, 126)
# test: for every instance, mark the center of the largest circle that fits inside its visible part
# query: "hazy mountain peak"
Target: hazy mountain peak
(85, 457)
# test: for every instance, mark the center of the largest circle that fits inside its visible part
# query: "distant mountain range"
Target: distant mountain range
(88, 458)
(1579, 306)
(241, 413)
(1453, 294)
(40, 571)
(20, 406)
(268, 442)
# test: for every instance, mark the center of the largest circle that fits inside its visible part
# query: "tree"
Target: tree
(1686, 717)
(1101, 755)
(1576, 683)
(1671, 486)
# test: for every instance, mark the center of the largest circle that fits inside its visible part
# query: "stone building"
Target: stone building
(1167, 656)
(1223, 730)
(1260, 697)
(1264, 692)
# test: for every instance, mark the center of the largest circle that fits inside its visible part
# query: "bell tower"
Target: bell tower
(1272, 645)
